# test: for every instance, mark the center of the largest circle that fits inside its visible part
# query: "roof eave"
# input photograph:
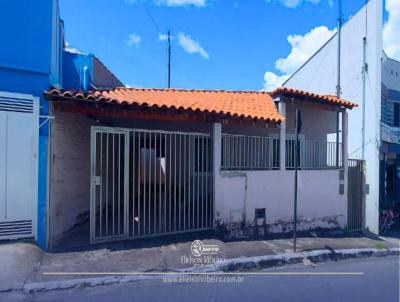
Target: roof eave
(312, 96)
(80, 98)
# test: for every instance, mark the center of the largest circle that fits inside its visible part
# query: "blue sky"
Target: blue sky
(217, 44)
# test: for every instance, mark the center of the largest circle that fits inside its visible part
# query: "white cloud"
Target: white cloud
(303, 47)
(197, 3)
(162, 37)
(72, 49)
(133, 39)
(191, 46)
(272, 81)
(391, 30)
(294, 3)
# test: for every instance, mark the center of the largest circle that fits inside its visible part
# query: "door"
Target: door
(356, 194)
(18, 165)
(109, 174)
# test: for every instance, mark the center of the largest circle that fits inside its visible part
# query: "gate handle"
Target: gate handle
(97, 181)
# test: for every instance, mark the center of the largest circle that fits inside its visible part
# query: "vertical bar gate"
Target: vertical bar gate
(356, 194)
(148, 183)
(108, 204)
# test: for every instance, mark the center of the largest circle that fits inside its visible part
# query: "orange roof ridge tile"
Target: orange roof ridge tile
(193, 90)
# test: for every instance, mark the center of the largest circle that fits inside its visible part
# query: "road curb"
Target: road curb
(230, 265)
(316, 256)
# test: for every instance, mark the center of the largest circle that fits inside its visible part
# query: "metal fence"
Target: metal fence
(313, 155)
(147, 183)
(356, 195)
(241, 152)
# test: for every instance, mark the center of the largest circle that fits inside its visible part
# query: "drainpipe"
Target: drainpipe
(85, 78)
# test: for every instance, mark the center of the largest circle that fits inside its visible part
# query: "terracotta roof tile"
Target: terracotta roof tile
(314, 96)
(243, 104)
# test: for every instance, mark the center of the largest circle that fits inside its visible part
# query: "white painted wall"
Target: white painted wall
(319, 75)
(319, 201)
(316, 123)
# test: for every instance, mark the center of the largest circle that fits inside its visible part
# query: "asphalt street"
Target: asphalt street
(374, 279)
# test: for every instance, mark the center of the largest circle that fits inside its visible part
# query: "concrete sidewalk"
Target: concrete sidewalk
(18, 264)
(26, 264)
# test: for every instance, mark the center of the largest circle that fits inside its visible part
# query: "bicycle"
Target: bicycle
(386, 220)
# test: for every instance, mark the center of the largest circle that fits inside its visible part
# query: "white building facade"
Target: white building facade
(361, 54)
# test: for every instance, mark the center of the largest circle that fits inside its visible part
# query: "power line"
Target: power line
(151, 17)
(168, 40)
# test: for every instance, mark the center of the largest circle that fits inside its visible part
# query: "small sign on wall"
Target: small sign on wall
(341, 189)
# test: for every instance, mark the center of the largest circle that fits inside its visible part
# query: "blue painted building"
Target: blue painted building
(30, 62)
(86, 72)
(33, 59)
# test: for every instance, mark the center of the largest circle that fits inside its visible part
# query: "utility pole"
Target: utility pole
(364, 78)
(169, 59)
(296, 164)
(338, 86)
(364, 74)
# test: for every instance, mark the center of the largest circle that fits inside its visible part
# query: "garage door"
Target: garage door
(150, 183)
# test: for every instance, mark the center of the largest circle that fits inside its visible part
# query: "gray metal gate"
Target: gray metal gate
(356, 194)
(147, 183)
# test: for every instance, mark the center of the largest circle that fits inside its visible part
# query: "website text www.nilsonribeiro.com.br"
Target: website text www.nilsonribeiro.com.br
(209, 278)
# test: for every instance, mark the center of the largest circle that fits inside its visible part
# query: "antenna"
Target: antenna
(169, 58)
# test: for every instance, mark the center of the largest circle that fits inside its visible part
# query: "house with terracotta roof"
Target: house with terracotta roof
(130, 163)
